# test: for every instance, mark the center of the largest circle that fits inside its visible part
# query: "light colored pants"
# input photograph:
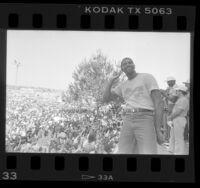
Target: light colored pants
(138, 134)
(177, 143)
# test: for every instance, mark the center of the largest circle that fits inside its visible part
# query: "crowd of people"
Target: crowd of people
(39, 122)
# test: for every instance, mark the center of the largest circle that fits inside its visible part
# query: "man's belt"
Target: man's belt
(137, 110)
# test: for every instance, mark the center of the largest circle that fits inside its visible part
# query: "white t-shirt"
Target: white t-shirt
(137, 92)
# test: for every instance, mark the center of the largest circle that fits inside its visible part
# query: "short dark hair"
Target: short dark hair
(126, 58)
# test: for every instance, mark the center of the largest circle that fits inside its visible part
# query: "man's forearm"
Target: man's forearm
(170, 98)
(159, 110)
(107, 92)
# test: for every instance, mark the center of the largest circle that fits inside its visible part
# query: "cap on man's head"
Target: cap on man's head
(170, 78)
(181, 88)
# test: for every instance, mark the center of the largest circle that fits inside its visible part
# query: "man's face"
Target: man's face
(171, 83)
(127, 66)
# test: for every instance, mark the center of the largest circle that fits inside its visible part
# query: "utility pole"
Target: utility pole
(17, 64)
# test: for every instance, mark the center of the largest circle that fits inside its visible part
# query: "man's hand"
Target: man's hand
(169, 123)
(160, 137)
(108, 95)
(114, 78)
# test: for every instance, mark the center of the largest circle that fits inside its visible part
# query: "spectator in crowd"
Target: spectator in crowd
(178, 119)
(89, 146)
(142, 113)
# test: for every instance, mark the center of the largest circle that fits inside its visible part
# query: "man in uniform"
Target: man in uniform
(143, 110)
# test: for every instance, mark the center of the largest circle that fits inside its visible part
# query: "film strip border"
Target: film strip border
(120, 168)
(91, 17)
(97, 167)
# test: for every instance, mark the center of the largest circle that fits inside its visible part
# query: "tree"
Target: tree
(90, 78)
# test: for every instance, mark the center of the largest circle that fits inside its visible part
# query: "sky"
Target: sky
(48, 58)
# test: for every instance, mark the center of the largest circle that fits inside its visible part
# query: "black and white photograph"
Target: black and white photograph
(98, 92)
